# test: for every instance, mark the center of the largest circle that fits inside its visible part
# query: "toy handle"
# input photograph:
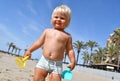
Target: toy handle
(25, 58)
(68, 69)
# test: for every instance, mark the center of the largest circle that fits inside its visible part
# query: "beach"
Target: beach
(9, 71)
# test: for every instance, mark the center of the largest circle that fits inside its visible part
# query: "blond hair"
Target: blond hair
(63, 9)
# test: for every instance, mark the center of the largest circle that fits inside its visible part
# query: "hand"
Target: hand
(71, 66)
(27, 53)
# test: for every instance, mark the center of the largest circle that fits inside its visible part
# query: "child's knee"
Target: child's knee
(55, 77)
(38, 79)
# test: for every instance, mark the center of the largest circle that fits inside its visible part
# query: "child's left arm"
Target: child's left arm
(71, 54)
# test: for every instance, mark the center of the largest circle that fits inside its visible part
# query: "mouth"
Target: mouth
(58, 24)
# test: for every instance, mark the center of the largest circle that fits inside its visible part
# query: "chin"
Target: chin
(58, 28)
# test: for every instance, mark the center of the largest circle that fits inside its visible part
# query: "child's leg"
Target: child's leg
(55, 77)
(40, 74)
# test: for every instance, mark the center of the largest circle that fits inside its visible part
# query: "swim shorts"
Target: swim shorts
(54, 67)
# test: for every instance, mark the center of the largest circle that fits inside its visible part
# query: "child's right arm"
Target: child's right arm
(35, 45)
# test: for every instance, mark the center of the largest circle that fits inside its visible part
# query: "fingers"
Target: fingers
(71, 66)
(27, 53)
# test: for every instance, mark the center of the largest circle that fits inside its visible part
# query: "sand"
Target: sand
(9, 71)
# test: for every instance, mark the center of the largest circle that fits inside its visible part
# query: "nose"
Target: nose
(58, 18)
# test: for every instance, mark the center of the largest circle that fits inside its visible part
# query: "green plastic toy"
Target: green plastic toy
(67, 74)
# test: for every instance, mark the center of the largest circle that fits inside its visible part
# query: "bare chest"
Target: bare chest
(57, 36)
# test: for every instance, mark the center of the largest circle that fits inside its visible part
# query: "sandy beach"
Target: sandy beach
(9, 71)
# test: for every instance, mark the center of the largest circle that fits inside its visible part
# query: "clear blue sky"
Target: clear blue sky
(23, 21)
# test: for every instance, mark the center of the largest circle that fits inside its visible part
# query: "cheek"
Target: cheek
(52, 21)
(64, 22)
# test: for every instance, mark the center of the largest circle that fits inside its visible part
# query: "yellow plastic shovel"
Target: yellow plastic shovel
(21, 61)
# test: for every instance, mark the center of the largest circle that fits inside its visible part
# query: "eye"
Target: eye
(62, 18)
(56, 17)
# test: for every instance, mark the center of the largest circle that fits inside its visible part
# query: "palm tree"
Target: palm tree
(111, 51)
(100, 53)
(65, 57)
(10, 45)
(85, 57)
(91, 44)
(96, 58)
(78, 45)
(116, 37)
(16, 48)
(13, 47)
(25, 50)
(19, 51)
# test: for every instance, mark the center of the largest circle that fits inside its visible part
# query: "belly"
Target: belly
(53, 56)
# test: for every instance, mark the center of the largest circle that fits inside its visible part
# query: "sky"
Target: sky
(23, 21)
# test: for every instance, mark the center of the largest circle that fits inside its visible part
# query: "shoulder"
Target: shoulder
(68, 34)
(69, 37)
(47, 30)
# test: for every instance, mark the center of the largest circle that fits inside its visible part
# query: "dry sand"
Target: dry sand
(9, 71)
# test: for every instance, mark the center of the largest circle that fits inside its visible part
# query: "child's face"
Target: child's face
(59, 20)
